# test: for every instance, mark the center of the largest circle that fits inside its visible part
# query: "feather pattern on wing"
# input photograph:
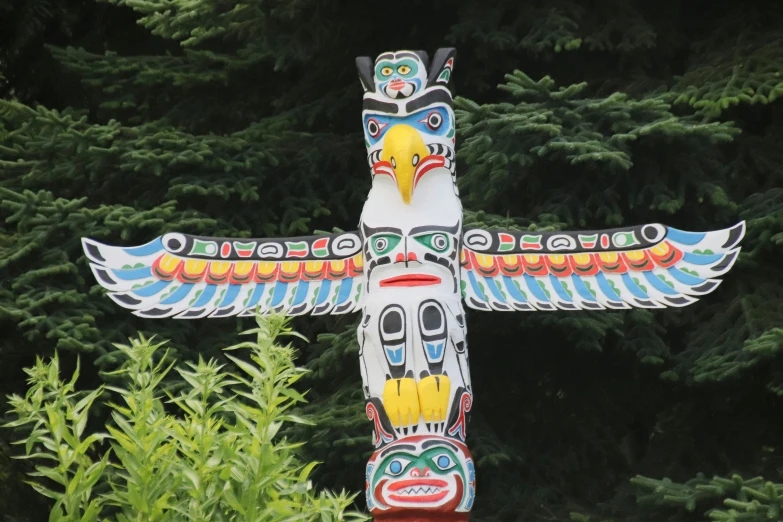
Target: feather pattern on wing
(649, 266)
(189, 277)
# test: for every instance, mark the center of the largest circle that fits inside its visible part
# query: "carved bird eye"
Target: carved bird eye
(373, 128)
(434, 121)
(386, 71)
(403, 69)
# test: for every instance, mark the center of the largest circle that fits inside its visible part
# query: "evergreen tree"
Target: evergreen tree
(228, 118)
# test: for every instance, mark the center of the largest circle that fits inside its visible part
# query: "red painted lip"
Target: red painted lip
(417, 483)
(397, 85)
(411, 280)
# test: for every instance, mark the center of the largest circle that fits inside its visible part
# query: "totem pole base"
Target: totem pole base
(421, 478)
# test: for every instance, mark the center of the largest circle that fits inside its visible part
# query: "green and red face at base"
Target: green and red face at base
(423, 477)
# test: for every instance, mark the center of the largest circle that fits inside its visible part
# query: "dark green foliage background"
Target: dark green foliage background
(123, 120)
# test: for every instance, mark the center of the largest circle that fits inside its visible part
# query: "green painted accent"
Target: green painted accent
(206, 248)
(706, 252)
(244, 246)
(168, 292)
(382, 244)
(543, 287)
(500, 289)
(662, 278)
(395, 69)
(440, 460)
(532, 239)
(297, 246)
(639, 284)
(624, 239)
(432, 241)
(519, 287)
(195, 297)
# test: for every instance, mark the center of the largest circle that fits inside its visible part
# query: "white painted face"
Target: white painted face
(400, 74)
(412, 248)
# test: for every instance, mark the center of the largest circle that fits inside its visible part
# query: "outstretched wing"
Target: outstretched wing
(189, 277)
(647, 266)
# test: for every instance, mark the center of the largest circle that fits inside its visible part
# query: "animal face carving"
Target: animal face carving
(408, 118)
(422, 474)
(405, 149)
(400, 74)
(422, 256)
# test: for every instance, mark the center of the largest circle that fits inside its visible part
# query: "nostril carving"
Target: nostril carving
(412, 256)
(399, 258)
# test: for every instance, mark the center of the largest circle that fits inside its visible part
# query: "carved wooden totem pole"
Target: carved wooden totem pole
(408, 269)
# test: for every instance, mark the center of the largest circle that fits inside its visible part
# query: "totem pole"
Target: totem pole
(408, 269)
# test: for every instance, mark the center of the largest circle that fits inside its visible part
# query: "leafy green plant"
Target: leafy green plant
(210, 450)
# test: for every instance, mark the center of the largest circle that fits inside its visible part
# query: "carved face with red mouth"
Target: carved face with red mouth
(423, 257)
(400, 74)
(429, 474)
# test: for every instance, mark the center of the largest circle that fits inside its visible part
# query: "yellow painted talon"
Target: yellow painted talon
(434, 394)
(401, 402)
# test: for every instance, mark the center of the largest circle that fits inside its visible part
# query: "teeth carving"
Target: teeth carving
(423, 490)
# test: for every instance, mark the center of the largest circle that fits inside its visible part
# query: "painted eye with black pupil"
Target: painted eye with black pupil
(440, 242)
(373, 128)
(384, 243)
(434, 121)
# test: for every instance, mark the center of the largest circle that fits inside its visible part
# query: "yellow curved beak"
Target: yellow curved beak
(404, 149)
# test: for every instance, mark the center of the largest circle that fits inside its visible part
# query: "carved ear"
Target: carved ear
(425, 59)
(366, 73)
(442, 65)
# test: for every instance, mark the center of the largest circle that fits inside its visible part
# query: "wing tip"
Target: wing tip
(726, 262)
(125, 300)
(735, 235)
(92, 249)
